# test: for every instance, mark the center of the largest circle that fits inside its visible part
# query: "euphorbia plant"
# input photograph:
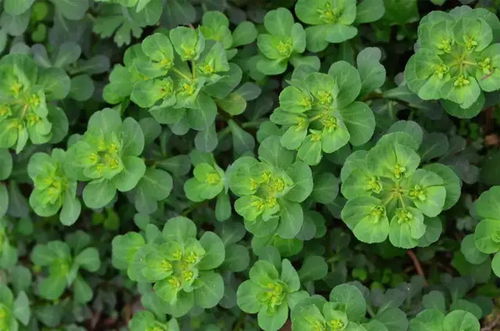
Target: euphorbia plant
(389, 195)
(182, 267)
(25, 114)
(320, 114)
(106, 157)
(270, 293)
(457, 59)
(270, 189)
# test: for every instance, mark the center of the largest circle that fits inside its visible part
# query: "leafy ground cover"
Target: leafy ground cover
(308, 165)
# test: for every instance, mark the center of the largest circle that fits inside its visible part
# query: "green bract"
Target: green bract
(319, 113)
(389, 195)
(345, 311)
(54, 189)
(62, 265)
(180, 266)
(270, 190)
(457, 59)
(25, 90)
(270, 293)
(107, 157)
(284, 41)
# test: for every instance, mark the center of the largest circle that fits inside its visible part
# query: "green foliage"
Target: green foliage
(249, 165)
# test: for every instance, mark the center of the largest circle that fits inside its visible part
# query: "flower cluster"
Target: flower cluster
(457, 58)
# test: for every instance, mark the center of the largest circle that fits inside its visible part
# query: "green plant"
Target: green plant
(457, 59)
(244, 165)
(390, 196)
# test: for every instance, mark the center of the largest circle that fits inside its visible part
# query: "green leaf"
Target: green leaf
(313, 268)
(459, 320)
(371, 71)
(291, 220)
(348, 81)
(367, 219)
(98, 194)
(209, 289)
(133, 170)
(368, 11)
(360, 122)
(244, 34)
(14, 8)
(89, 259)
(214, 251)
(124, 249)
(72, 9)
(179, 229)
(495, 264)
(22, 309)
(351, 298)
(273, 321)
(470, 251)
(246, 298)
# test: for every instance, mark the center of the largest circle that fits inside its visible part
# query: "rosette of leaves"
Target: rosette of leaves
(54, 190)
(346, 310)
(389, 195)
(270, 190)
(176, 77)
(434, 319)
(270, 293)
(13, 310)
(332, 21)
(284, 41)
(126, 18)
(107, 156)
(486, 237)
(181, 266)
(457, 59)
(320, 115)
(25, 90)
(61, 267)
(146, 320)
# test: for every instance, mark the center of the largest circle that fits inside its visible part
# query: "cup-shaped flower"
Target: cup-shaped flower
(175, 77)
(269, 293)
(320, 115)
(270, 190)
(207, 183)
(457, 59)
(107, 156)
(388, 195)
(284, 40)
(180, 265)
(25, 90)
(54, 189)
(331, 21)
